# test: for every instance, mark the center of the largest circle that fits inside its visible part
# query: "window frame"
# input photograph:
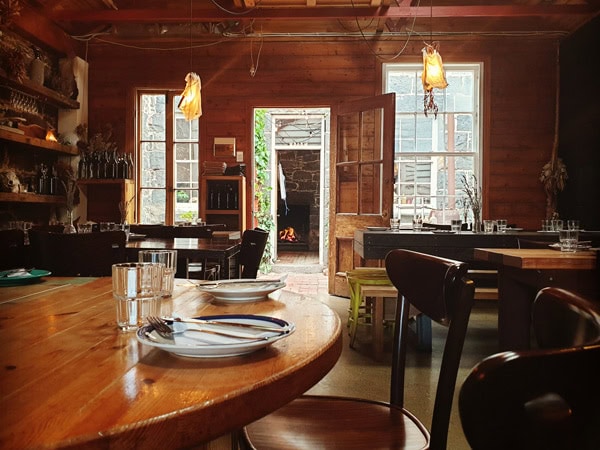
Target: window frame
(170, 189)
(451, 192)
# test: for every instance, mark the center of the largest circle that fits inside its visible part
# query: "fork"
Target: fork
(167, 332)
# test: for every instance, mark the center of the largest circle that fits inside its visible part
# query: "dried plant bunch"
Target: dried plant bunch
(473, 193)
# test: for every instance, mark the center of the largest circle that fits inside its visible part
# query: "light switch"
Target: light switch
(239, 156)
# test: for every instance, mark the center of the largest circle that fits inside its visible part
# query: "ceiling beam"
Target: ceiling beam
(392, 12)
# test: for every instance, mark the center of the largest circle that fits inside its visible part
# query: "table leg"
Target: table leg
(514, 311)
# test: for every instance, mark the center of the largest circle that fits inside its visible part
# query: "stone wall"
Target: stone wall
(301, 169)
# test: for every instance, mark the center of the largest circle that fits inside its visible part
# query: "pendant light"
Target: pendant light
(191, 99)
(433, 75)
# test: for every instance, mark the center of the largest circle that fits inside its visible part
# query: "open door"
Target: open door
(361, 178)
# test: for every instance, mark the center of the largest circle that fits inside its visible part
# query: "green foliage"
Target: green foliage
(188, 216)
(183, 197)
(262, 186)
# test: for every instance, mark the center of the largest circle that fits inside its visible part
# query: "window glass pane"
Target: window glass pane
(153, 169)
(153, 206)
(152, 117)
(347, 193)
(370, 189)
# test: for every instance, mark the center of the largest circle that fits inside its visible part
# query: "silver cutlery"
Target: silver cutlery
(227, 324)
(164, 330)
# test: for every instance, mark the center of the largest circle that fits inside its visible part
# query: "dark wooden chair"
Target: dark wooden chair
(546, 398)
(251, 252)
(12, 249)
(88, 254)
(439, 288)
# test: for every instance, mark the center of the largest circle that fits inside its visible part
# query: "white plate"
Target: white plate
(377, 228)
(205, 345)
(136, 237)
(240, 290)
(514, 229)
(556, 246)
(443, 232)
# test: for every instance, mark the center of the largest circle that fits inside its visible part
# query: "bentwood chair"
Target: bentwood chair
(439, 288)
(546, 398)
(251, 251)
(86, 255)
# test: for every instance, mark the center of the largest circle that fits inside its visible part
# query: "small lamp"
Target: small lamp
(433, 76)
(191, 101)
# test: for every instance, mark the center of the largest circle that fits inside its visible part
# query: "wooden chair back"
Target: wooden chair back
(546, 398)
(88, 254)
(12, 249)
(437, 287)
(251, 251)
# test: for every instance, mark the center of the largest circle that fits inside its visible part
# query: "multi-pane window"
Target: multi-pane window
(433, 153)
(168, 156)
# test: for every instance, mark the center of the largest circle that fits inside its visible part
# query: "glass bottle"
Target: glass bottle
(81, 166)
(69, 227)
(130, 168)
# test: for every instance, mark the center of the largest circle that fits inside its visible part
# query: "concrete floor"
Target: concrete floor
(356, 374)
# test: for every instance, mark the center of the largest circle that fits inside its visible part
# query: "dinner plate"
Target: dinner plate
(585, 246)
(443, 232)
(240, 290)
(377, 228)
(514, 229)
(205, 345)
(136, 237)
(33, 276)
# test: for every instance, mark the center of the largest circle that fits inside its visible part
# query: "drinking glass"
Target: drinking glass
(395, 224)
(568, 240)
(168, 258)
(137, 291)
(501, 225)
(488, 226)
(546, 225)
(573, 224)
(456, 225)
(417, 223)
(557, 224)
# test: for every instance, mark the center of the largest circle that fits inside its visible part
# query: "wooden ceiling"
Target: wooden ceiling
(169, 21)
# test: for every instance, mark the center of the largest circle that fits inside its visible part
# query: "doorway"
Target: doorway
(295, 144)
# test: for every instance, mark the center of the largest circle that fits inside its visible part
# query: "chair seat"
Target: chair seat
(326, 422)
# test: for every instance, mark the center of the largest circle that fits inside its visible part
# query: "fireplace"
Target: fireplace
(293, 227)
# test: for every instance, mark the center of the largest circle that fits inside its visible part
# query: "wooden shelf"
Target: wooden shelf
(39, 143)
(88, 181)
(41, 92)
(31, 198)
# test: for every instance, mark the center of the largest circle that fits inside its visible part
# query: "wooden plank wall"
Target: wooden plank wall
(519, 97)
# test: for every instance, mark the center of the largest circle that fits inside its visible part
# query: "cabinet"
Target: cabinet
(105, 198)
(24, 152)
(223, 200)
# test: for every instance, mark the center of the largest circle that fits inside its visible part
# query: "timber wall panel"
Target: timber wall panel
(517, 132)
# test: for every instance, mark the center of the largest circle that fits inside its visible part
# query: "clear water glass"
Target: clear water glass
(137, 289)
(569, 240)
(488, 226)
(456, 225)
(168, 258)
(501, 225)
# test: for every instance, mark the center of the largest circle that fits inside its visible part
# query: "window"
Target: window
(168, 155)
(433, 154)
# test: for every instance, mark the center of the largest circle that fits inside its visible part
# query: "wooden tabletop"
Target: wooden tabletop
(524, 258)
(206, 246)
(70, 378)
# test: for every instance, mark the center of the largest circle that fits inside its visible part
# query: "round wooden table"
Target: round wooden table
(70, 378)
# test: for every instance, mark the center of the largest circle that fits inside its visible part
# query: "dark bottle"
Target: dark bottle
(93, 165)
(130, 168)
(111, 171)
(53, 183)
(121, 167)
(43, 180)
(81, 166)
(228, 196)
